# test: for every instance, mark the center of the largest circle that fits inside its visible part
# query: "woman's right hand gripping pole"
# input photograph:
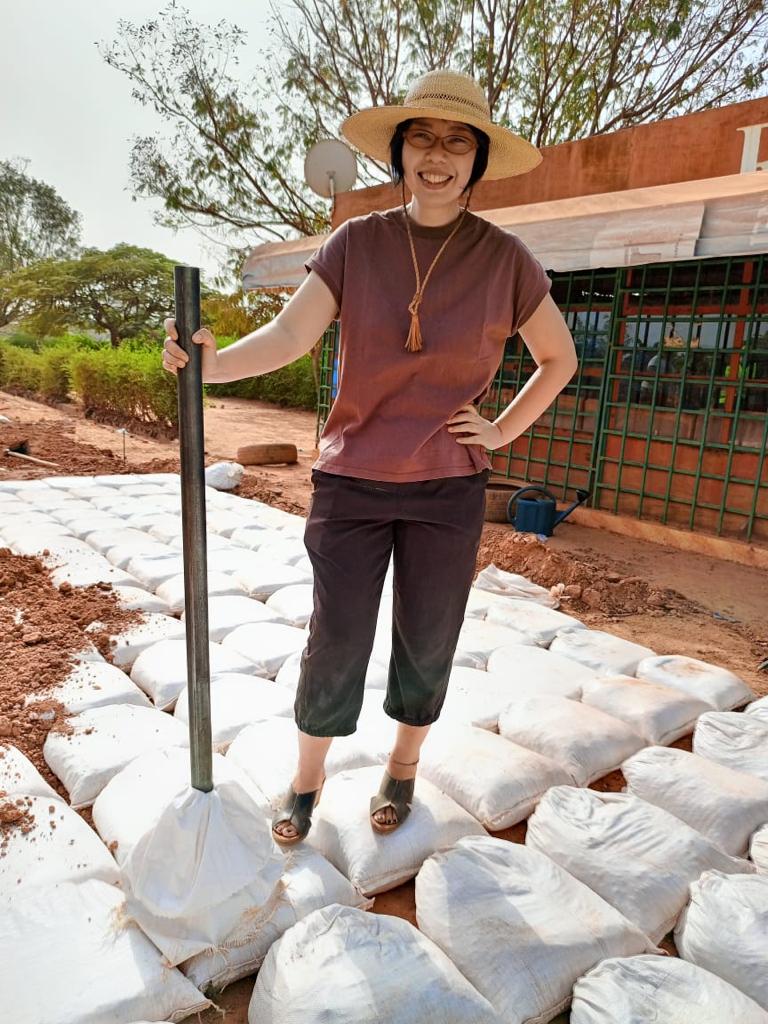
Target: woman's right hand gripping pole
(174, 356)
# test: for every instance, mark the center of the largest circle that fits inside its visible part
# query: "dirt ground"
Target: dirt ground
(669, 600)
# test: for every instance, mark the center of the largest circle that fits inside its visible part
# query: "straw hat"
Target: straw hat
(454, 97)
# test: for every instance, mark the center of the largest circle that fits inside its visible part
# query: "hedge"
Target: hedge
(292, 385)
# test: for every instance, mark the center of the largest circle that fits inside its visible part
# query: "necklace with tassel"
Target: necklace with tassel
(414, 341)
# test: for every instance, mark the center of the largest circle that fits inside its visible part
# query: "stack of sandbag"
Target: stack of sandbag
(639, 858)
(517, 926)
(604, 653)
(658, 714)
(721, 689)
(344, 965)
(724, 929)
(629, 989)
(736, 740)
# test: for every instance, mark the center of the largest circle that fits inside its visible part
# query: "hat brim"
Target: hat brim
(371, 131)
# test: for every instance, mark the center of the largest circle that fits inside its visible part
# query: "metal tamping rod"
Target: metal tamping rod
(191, 447)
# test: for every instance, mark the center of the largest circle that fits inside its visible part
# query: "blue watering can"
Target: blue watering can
(538, 515)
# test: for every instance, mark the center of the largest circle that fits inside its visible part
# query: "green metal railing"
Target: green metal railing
(667, 415)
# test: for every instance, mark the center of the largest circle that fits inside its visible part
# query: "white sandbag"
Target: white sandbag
(91, 685)
(99, 967)
(161, 670)
(342, 832)
(136, 598)
(510, 584)
(736, 740)
(539, 670)
(227, 612)
(480, 639)
(58, 847)
(758, 850)
(225, 522)
(734, 907)
(585, 741)
(224, 476)
(191, 896)
(102, 742)
(293, 604)
(626, 990)
(538, 622)
(267, 752)
(266, 644)
(724, 805)
(479, 601)
(151, 572)
(238, 700)
(288, 676)
(721, 689)
(517, 926)
(213, 542)
(639, 858)
(657, 713)
(165, 527)
(19, 776)
(90, 571)
(86, 524)
(607, 654)
(308, 883)
(360, 968)
(122, 554)
(758, 708)
(16, 533)
(218, 584)
(477, 698)
(248, 536)
(263, 579)
(498, 782)
(128, 644)
(105, 541)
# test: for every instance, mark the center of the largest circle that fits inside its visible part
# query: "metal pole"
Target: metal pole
(190, 395)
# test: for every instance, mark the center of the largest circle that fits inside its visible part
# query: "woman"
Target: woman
(427, 294)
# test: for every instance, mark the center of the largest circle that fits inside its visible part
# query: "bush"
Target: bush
(292, 385)
(120, 385)
(20, 370)
(55, 379)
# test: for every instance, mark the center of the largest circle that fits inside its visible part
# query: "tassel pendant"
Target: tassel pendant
(414, 342)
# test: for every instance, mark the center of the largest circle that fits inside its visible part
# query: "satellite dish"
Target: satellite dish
(330, 167)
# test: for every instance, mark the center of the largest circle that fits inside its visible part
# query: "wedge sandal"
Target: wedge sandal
(394, 793)
(297, 809)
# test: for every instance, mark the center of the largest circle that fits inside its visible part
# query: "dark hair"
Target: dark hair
(396, 154)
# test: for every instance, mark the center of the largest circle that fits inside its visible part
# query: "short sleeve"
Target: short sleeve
(329, 261)
(530, 283)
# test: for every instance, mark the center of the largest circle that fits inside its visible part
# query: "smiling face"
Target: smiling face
(435, 176)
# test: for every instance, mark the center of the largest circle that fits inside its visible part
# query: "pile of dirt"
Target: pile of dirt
(580, 584)
(42, 630)
(260, 488)
(55, 442)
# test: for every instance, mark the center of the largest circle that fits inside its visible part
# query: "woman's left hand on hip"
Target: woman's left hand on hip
(474, 429)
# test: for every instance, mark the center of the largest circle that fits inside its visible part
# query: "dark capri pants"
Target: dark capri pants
(433, 527)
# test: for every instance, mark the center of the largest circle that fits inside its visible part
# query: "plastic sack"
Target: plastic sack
(288, 676)
(262, 579)
(308, 883)
(127, 645)
(224, 476)
(359, 968)
(639, 858)
(293, 604)
(657, 713)
(510, 584)
(517, 926)
(585, 741)
(19, 776)
(131, 598)
(724, 805)
(540, 671)
(98, 966)
(228, 612)
(478, 698)
(480, 639)
(737, 906)
(102, 742)
(721, 689)
(736, 740)
(238, 700)
(539, 623)
(151, 572)
(91, 685)
(59, 847)
(161, 670)
(342, 832)
(265, 644)
(626, 990)
(607, 654)
(497, 782)
(218, 584)
(758, 708)
(189, 896)
(758, 850)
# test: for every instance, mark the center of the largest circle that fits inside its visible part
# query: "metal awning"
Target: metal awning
(726, 216)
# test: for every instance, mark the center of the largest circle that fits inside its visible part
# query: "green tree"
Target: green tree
(123, 291)
(35, 224)
(231, 161)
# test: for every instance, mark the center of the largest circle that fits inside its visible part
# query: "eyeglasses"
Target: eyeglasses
(422, 138)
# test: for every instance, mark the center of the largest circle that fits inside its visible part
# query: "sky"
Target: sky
(71, 117)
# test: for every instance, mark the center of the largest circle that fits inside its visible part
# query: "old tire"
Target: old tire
(266, 454)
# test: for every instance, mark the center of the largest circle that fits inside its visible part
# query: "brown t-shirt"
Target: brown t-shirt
(388, 421)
